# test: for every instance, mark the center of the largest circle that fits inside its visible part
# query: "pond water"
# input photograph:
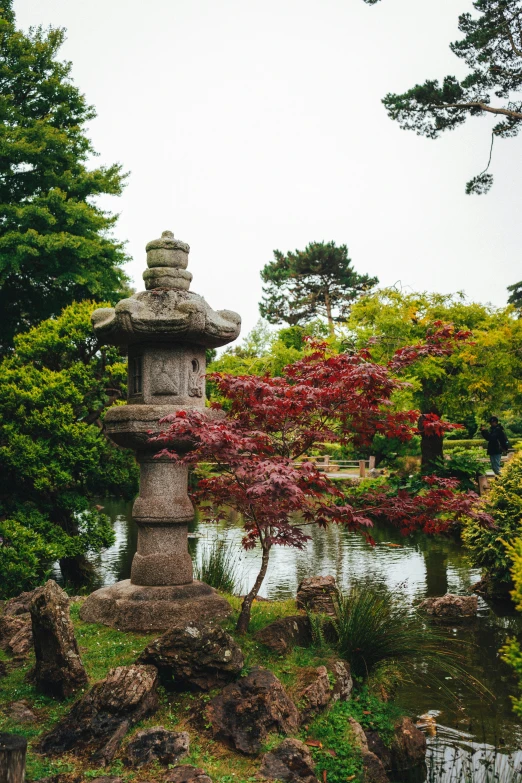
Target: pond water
(472, 731)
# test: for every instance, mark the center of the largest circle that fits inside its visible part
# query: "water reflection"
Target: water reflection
(420, 567)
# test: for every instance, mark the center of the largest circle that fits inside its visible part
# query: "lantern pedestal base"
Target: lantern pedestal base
(129, 607)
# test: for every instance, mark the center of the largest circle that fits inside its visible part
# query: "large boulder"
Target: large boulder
(314, 692)
(408, 748)
(18, 605)
(451, 608)
(184, 773)
(59, 670)
(156, 744)
(291, 762)
(246, 711)
(196, 654)
(101, 718)
(317, 594)
(284, 634)
(373, 769)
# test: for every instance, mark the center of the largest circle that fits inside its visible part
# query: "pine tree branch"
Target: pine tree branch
(515, 115)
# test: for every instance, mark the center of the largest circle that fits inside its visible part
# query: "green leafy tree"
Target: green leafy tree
(305, 284)
(491, 48)
(55, 242)
(483, 376)
(54, 457)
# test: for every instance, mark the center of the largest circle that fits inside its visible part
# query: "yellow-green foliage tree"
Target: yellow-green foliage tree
(511, 652)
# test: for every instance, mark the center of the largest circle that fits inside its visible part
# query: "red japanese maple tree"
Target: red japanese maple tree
(260, 445)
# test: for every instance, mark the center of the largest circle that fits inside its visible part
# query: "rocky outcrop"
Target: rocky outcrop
(373, 769)
(343, 683)
(451, 608)
(20, 712)
(59, 670)
(184, 773)
(16, 634)
(284, 634)
(156, 744)
(315, 692)
(291, 762)
(408, 748)
(317, 594)
(195, 654)
(101, 718)
(18, 605)
(246, 711)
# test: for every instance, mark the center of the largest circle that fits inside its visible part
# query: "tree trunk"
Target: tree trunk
(328, 306)
(431, 450)
(246, 607)
(77, 570)
(13, 749)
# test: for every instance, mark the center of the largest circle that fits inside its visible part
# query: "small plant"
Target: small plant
(333, 747)
(376, 628)
(218, 567)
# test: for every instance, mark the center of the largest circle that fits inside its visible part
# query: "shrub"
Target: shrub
(218, 567)
(512, 652)
(25, 558)
(463, 465)
(487, 545)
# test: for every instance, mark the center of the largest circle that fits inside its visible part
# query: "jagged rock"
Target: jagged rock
(359, 737)
(101, 718)
(18, 605)
(156, 744)
(291, 762)
(373, 769)
(315, 692)
(20, 712)
(195, 654)
(16, 635)
(187, 774)
(59, 670)
(451, 608)
(285, 634)
(408, 748)
(377, 746)
(343, 683)
(317, 594)
(247, 710)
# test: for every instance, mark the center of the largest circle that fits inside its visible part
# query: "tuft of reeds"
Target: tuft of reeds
(218, 567)
(377, 628)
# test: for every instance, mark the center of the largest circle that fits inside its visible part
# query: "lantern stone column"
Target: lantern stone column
(165, 331)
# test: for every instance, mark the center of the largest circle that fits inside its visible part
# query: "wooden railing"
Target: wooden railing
(331, 465)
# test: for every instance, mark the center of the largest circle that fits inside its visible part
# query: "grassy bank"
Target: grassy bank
(103, 648)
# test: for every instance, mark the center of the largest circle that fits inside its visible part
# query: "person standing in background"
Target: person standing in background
(497, 443)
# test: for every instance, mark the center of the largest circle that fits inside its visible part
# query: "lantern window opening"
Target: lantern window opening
(137, 385)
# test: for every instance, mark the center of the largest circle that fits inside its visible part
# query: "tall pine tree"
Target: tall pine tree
(55, 242)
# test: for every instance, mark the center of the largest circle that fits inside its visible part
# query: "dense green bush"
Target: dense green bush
(512, 652)
(487, 545)
(54, 457)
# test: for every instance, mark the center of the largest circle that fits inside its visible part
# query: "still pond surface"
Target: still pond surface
(477, 739)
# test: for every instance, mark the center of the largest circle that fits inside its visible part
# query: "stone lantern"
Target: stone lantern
(165, 331)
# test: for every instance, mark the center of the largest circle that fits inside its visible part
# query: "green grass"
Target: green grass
(218, 567)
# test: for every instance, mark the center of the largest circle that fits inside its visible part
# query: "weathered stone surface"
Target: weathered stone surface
(59, 670)
(20, 643)
(451, 608)
(130, 607)
(286, 633)
(156, 744)
(377, 746)
(18, 605)
(408, 748)
(291, 762)
(184, 773)
(315, 692)
(20, 712)
(359, 737)
(101, 718)
(343, 683)
(373, 769)
(13, 625)
(247, 710)
(317, 594)
(196, 654)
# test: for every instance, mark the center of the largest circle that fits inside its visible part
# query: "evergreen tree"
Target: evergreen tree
(55, 243)
(305, 284)
(492, 50)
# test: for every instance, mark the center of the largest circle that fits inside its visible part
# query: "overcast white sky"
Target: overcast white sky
(249, 125)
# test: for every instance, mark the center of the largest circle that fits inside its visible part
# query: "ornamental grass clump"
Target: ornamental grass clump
(376, 629)
(218, 568)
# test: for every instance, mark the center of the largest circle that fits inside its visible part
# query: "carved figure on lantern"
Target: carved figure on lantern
(165, 331)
